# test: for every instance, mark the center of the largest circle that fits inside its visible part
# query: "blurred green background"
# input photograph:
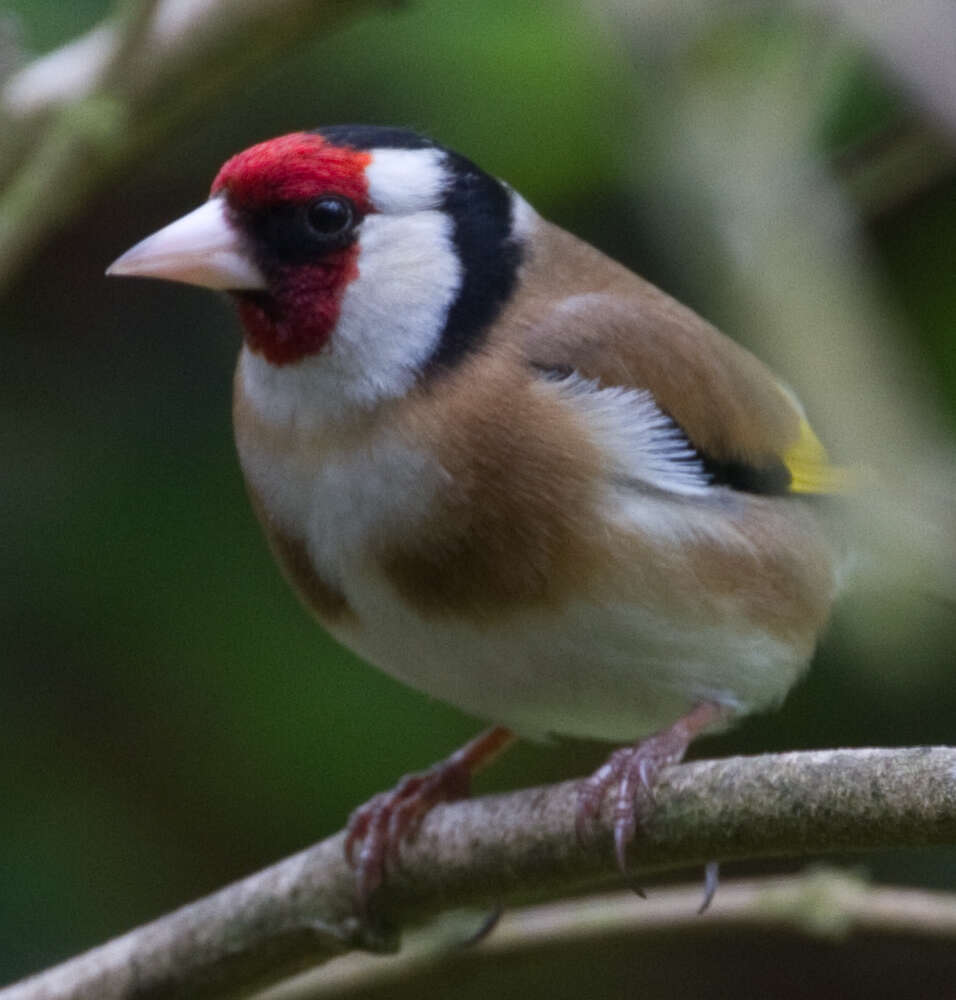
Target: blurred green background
(170, 718)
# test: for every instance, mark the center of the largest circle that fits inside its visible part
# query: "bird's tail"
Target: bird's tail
(906, 532)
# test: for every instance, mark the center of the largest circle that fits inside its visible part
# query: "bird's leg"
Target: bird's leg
(382, 823)
(631, 773)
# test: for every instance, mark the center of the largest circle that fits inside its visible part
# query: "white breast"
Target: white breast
(340, 494)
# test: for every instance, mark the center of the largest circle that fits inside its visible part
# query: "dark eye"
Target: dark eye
(330, 216)
(296, 232)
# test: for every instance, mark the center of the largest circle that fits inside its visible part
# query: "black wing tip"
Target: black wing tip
(772, 479)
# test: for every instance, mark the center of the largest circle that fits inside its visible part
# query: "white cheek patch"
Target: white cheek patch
(393, 313)
(401, 181)
(390, 322)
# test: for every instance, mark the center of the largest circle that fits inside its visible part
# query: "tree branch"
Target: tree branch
(74, 117)
(507, 847)
(827, 904)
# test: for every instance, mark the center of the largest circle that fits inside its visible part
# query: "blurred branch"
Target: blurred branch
(500, 848)
(11, 48)
(885, 172)
(917, 43)
(74, 117)
(822, 903)
(133, 19)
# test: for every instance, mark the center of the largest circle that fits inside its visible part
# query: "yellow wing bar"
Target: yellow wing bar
(809, 467)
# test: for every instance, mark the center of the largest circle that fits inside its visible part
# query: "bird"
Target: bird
(504, 468)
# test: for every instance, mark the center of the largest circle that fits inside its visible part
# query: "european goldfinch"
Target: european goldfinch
(503, 467)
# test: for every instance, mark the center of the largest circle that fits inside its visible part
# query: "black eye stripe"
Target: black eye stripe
(299, 232)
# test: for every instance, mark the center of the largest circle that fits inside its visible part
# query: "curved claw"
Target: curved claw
(484, 928)
(383, 823)
(633, 773)
(711, 881)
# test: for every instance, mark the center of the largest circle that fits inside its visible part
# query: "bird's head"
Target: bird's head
(372, 246)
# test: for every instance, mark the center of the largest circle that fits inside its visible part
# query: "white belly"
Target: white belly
(614, 673)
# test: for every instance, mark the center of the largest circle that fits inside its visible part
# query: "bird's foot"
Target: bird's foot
(376, 830)
(630, 775)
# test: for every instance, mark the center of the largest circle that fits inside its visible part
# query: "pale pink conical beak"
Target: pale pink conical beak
(202, 248)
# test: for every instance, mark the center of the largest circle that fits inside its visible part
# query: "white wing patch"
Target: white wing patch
(645, 446)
